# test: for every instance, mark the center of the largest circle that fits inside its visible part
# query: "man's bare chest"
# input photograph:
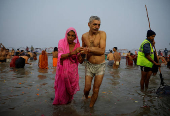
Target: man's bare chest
(92, 42)
(2, 53)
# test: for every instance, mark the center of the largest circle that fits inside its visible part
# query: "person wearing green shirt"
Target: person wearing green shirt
(146, 59)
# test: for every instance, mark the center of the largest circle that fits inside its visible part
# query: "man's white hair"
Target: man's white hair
(93, 18)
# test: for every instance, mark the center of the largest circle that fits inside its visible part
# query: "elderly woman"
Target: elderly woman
(67, 77)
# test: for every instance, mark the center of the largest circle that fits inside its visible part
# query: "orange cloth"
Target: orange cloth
(43, 60)
(54, 62)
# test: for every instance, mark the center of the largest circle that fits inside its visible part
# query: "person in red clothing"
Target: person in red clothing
(12, 63)
(129, 59)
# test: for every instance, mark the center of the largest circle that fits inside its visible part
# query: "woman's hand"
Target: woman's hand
(85, 50)
(77, 50)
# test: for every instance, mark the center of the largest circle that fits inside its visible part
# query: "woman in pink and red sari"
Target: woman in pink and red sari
(67, 77)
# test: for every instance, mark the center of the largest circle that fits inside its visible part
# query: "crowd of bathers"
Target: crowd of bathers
(17, 59)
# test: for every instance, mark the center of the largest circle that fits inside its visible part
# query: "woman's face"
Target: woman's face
(71, 36)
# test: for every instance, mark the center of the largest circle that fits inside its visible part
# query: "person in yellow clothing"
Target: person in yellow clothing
(145, 59)
(55, 56)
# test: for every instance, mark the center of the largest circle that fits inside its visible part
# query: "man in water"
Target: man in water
(95, 41)
(55, 56)
(31, 55)
(22, 53)
(2, 53)
(110, 58)
(166, 53)
(8, 56)
(146, 59)
(116, 57)
(13, 52)
(20, 62)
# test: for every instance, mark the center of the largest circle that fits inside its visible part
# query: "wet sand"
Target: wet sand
(28, 92)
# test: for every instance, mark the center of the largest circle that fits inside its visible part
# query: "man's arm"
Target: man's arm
(108, 57)
(151, 60)
(26, 61)
(146, 50)
(101, 50)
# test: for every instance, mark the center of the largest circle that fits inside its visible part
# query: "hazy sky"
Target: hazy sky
(42, 23)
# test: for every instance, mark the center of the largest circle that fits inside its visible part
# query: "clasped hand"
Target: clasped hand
(83, 50)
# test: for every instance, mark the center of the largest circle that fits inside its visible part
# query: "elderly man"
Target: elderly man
(95, 43)
(2, 53)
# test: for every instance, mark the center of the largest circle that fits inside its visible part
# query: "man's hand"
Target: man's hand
(79, 49)
(85, 50)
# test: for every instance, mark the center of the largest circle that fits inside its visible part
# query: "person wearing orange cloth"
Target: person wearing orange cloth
(43, 60)
(129, 59)
(55, 56)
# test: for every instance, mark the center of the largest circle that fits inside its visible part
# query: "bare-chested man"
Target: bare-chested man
(55, 56)
(2, 53)
(110, 58)
(13, 52)
(8, 56)
(95, 41)
(31, 55)
(117, 58)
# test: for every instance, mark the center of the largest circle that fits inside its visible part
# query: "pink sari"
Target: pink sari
(67, 78)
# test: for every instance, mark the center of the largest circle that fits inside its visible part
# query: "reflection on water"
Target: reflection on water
(43, 70)
(42, 77)
(31, 89)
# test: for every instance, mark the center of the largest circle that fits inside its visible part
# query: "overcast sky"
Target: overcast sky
(42, 23)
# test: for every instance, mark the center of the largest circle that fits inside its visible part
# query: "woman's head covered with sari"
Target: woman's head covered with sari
(63, 44)
(67, 78)
(63, 48)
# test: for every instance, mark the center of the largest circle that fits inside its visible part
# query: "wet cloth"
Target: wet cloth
(54, 62)
(20, 63)
(95, 69)
(8, 60)
(67, 77)
(43, 60)
(111, 62)
(12, 63)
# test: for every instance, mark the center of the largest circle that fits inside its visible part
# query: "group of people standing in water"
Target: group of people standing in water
(69, 54)
(92, 53)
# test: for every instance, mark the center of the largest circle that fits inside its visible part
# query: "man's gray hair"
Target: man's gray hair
(93, 18)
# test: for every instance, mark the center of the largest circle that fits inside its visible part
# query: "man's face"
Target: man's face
(151, 38)
(7, 51)
(71, 36)
(114, 49)
(94, 25)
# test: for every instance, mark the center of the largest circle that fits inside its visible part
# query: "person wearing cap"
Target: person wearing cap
(146, 59)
